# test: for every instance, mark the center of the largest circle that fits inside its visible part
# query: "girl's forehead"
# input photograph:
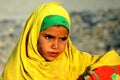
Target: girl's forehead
(54, 30)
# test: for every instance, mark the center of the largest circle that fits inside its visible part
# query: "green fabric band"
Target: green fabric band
(52, 20)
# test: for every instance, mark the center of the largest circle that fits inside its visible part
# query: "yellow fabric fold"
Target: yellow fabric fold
(111, 58)
(25, 62)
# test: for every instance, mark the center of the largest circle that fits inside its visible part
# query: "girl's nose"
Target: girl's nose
(55, 45)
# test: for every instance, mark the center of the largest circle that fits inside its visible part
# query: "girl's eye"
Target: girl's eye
(48, 37)
(63, 39)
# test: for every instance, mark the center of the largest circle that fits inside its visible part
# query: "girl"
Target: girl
(45, 51)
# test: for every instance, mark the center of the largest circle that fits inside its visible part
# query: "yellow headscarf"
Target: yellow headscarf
(25, 62)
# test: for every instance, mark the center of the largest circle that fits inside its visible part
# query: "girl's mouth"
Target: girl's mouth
(53, 54)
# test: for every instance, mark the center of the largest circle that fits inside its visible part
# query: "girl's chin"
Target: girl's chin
(51, 59)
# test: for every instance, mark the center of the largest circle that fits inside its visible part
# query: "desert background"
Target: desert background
(95, 24)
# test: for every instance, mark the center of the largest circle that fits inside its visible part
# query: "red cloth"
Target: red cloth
(104, 73)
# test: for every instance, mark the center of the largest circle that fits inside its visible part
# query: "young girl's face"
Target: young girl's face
(52, 42)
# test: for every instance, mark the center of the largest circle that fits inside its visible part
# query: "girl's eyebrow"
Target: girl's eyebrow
(54, 36)
(49, 35)
(64, 37)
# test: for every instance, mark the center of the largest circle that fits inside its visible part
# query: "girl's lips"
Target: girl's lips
(53, 54)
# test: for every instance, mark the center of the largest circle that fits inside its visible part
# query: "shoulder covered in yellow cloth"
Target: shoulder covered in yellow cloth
(106, 68)
(25, 62)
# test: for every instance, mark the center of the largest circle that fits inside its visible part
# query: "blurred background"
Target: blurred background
(95, 24)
